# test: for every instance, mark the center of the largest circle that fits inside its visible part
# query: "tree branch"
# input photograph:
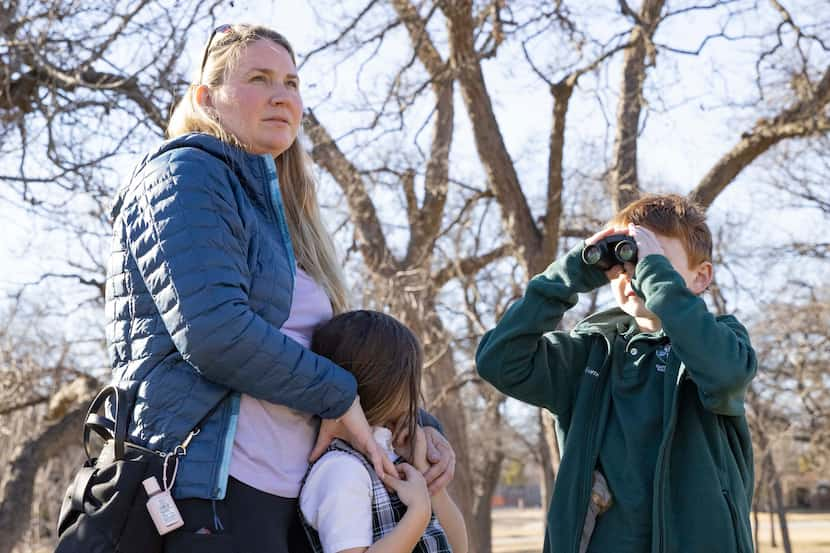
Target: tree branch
(469, 265)
(364, 214)
(624, 180)
(556, 146)
(805, 118)
(18, 406)
(426, 227)
(499, 168)
(22, 93)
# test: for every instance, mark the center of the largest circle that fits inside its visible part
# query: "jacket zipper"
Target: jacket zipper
(584, 496)
(277, 213)
(269, 194)
(663, 459)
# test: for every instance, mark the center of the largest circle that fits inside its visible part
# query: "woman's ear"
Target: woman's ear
(702, 278)
(202, 96)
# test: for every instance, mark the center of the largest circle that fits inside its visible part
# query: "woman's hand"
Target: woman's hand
(441, 458)
(353, 428)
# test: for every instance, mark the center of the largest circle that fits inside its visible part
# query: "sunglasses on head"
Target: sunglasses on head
(224, 28)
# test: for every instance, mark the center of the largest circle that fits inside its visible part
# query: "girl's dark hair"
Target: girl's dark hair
(384, 356)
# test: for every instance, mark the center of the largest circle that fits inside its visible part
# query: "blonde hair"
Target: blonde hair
(313, 246)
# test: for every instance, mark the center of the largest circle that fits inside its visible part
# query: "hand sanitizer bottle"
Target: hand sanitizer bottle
(162, 509)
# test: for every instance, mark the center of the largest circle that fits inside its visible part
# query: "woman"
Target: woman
(220, 270)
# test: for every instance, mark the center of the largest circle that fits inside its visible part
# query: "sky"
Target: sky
(685, 134)
(678, 145)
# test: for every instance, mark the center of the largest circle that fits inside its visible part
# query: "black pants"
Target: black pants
(246, 521)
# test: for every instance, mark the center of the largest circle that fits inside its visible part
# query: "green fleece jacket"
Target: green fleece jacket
(703, 480)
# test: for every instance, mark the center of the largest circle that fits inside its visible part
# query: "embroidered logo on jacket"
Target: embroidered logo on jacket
(663, 356)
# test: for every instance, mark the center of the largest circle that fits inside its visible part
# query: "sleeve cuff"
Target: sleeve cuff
(571, 270)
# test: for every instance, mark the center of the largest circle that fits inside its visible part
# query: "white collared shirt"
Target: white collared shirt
(336, 499)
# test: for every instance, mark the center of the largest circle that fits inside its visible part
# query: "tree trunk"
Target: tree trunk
(781, 511)
(502, 177)
(550, 455)
(481, 531)
(452, 417)
(777, 497)
(624, 179)
(755, 528)
(19, 480)
(411, 297)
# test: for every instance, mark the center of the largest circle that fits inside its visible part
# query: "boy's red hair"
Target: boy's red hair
(673, 216)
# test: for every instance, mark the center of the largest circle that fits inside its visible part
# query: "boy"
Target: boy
(648, 394)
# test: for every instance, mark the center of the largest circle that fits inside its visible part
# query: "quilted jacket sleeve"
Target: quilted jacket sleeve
(523, 357)
(187, 237)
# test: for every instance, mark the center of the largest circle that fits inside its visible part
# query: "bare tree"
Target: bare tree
(452, 42)
(441, 234)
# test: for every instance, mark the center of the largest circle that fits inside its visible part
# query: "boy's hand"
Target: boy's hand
(604, 233)
(646, 241)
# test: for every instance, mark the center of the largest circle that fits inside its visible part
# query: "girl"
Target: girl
(344, 504)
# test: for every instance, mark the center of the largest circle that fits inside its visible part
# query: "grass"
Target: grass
(521, 531)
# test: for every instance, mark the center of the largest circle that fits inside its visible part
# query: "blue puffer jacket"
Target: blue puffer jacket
(199, 283)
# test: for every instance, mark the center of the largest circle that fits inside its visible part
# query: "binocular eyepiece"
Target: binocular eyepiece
(611, 250)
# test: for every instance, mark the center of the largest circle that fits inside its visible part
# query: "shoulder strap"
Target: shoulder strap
(106, 428)
(116, 428)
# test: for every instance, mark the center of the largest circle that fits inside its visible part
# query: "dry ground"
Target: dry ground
(520, 531)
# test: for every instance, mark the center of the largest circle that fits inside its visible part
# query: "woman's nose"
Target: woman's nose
(277, 97)
(279, 94)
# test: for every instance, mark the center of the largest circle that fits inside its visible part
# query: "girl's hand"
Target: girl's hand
(412, 489)
(442, 461)
(353, 428)
(414, 450)
(419, 451)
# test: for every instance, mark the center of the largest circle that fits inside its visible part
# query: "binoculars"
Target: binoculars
(611, 250)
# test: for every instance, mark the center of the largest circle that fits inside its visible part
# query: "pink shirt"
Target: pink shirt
(272, 442)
